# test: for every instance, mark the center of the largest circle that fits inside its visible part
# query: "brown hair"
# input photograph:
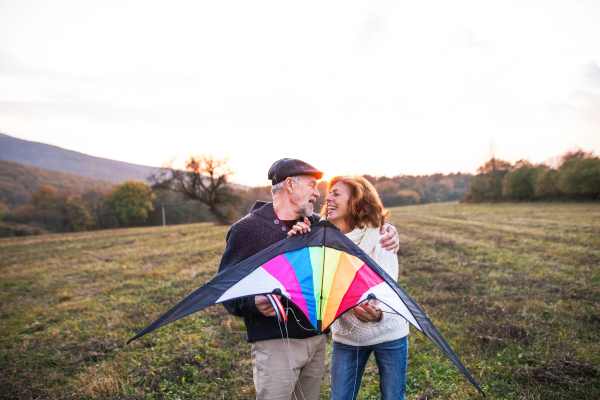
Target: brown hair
(365, 205)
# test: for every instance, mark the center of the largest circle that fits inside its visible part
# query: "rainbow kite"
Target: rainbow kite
(323, 273)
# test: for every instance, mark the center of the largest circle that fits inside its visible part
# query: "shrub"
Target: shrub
(519, 184)
(546, 184)
(579, 178)
(133, 201)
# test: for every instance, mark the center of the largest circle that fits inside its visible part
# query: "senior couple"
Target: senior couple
(293, 369)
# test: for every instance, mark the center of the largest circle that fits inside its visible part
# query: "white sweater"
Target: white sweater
(348, 329)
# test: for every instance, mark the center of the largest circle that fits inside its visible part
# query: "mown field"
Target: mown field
(515, 289)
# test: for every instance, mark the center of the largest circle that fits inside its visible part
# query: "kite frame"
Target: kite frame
(208, 294)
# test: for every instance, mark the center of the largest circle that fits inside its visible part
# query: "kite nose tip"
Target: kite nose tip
(371, 296)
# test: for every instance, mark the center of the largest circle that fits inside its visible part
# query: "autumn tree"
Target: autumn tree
(409, 196)
(132, 200)
(488, 184)
(206, 179)
(78, 218)
(387, 187)
(62, 211)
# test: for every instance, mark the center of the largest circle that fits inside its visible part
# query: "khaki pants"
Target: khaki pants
(273, 378)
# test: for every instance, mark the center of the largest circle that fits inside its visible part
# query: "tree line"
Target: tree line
(201, 192)
(130, 204)
(407, 190)
(576, 178)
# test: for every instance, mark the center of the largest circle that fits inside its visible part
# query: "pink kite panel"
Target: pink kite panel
(283, 271)
(364, 280)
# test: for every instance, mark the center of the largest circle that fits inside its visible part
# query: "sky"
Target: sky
(377, 87)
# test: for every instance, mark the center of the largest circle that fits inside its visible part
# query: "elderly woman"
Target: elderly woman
(352, 204)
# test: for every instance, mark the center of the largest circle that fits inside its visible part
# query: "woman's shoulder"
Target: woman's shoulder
(375, 232)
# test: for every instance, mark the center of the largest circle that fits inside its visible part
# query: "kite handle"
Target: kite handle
(278, 307)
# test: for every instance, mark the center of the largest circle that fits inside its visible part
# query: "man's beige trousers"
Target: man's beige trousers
(288, 370)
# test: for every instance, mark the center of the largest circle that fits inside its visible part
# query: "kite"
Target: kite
(323, 273)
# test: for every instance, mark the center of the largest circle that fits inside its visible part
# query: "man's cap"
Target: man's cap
(286, 167)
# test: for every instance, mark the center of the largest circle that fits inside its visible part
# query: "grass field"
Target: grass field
(515, 289)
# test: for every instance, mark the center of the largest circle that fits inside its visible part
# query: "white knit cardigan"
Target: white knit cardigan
(348, 329)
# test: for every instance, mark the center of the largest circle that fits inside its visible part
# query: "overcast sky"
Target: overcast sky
(378, 87)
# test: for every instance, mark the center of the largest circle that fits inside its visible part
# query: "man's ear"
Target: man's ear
(289, 184)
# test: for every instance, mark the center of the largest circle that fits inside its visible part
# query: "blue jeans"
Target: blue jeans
(348, 365)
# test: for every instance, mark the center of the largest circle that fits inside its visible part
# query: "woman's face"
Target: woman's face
(338, 202)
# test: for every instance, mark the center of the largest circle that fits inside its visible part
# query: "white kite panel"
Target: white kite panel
(258, 282)
(393, 303)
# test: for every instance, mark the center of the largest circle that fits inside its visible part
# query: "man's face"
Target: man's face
(304, 195)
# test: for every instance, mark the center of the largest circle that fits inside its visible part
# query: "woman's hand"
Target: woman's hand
(370, 313)
(300, 227)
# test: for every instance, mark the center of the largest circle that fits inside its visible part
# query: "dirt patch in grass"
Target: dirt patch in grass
(456, 283)
(94, 350)
(444, 242)
(566, 370)
(489, 333)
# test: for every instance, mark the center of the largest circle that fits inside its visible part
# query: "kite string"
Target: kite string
(346, 333)
(294, 362)
(287, 352)
(356, 368)
(298, 321)
(291, 360)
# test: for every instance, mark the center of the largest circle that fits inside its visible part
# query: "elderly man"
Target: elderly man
(294, 192)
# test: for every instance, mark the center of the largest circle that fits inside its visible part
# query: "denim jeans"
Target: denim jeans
(348, 365)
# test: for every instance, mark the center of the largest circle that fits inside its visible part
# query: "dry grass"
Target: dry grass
(513, 288)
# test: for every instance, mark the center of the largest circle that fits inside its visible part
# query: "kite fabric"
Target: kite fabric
(323, 273)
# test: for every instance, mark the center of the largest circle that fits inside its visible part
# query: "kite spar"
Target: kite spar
(323, 273)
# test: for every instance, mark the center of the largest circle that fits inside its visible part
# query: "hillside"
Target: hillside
(55, 158)
(18, 181)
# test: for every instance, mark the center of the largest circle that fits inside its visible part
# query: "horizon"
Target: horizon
(382, 88)
(551, 162)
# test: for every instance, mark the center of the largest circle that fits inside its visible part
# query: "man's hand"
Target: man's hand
(264, 305)
(390, 241)
(371, 313)
(300, 227)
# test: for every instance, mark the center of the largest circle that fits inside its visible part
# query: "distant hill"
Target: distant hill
(18, 181)
(57, 159)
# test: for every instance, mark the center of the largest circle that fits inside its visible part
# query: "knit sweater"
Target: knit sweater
(250, 235)
(348, 329)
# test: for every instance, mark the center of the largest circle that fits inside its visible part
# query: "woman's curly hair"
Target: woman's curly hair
(365, 205)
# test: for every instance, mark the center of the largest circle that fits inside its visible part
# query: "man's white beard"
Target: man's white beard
(306, 210)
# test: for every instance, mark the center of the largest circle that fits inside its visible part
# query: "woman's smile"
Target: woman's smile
(337, 205)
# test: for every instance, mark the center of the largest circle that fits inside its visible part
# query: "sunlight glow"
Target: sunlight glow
(383, 87)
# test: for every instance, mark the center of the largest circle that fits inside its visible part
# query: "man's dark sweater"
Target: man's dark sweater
(250, 235)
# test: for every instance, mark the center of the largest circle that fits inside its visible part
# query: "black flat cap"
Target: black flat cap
(286, 167)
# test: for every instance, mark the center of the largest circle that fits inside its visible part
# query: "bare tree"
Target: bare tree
(205, 179)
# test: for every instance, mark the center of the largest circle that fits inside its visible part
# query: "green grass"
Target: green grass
(515, 289)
